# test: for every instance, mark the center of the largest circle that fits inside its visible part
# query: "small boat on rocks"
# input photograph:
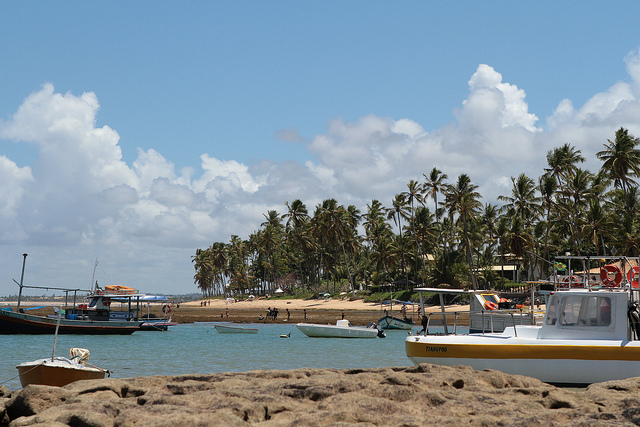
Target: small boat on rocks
(60, 371)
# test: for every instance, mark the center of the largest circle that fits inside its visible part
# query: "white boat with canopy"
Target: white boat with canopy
(590, 332)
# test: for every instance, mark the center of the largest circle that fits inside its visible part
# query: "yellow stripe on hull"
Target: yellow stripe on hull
(620, 352)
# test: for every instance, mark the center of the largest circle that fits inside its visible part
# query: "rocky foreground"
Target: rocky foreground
(411, 396)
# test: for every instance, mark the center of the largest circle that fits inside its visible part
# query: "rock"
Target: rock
(34, 399)
(409, 396)
(4, 392)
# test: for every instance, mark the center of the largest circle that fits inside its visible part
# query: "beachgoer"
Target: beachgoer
(222, 314)
(342, 314)
(288, 314)
(305, 314)
(275, 313)
(227, 312)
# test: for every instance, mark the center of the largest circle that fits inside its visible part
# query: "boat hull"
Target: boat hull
(56, 374)
(20, 323)
(159, 325)
(331, 331)
(223, 329)
(390, 322)
(553, 361)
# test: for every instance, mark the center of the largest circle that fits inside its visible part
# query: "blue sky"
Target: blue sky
(136, 132)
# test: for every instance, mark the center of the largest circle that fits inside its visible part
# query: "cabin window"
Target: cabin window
(552, 316)
(93, 302)
(585, 311)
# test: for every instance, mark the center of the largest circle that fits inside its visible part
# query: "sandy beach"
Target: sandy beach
(255, 311)
(317, 311)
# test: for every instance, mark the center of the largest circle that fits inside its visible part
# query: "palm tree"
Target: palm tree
(297, 218)
(523, 201)
(334, 226)
(397, 213)
(547, 186)
(414, 194)
(270, 241)
(621, 159)
(435, 184)
(562, 161)
(595, 224)
(462, 198)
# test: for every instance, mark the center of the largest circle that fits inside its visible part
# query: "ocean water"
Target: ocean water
(198, 348)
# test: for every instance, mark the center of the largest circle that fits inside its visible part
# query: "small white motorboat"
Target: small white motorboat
(60, 371)
(589, 334)
(229, 329)
(342, 329)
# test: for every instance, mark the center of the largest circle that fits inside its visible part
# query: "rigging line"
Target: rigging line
(105, 273)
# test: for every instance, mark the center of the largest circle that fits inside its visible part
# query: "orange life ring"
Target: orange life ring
(633, 276)
(166, 309)
(605, 276)
(504, 300)
(106, 301)
(571, 282)
(489, 305)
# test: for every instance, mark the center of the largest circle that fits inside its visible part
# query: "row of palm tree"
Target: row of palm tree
(439, 232)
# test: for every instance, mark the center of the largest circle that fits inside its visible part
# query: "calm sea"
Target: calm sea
(198, 348)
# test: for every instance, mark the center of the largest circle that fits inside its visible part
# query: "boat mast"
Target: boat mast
(91, 289)
(24, 261)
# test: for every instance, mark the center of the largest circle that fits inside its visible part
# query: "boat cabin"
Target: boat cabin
(583, 314)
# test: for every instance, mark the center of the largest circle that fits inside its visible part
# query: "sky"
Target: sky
(136, 132)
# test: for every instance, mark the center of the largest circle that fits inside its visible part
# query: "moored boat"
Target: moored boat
(60, 371)
(97, 317)
(589, 334)
(403, 321)
(230, 329)
(342, 329)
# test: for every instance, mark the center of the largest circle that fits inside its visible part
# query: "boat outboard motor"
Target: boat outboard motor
(633, 312)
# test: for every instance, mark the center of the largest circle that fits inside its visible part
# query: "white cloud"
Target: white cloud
(80, 200)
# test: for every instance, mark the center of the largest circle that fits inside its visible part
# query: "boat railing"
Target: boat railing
(516, 317)
(577, 272)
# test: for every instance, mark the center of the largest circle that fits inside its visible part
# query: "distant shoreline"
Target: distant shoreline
(317, 311)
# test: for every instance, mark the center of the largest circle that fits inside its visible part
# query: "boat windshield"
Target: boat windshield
(490, 298)
(580, 310)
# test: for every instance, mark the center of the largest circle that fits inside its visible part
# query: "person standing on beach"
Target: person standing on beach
(288, 315)
(305, 314)
(342, 314)
(227, 312)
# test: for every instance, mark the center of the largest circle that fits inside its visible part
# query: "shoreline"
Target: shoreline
(329, 311)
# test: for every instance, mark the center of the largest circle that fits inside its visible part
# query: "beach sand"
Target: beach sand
(329, 311)
(357, 312)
